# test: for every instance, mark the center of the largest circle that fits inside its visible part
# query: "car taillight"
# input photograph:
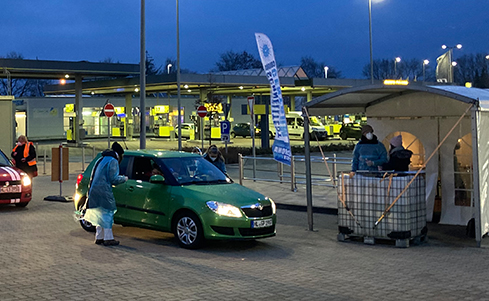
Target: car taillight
(78, 179)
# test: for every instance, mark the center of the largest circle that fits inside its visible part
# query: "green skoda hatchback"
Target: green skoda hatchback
(184, 194)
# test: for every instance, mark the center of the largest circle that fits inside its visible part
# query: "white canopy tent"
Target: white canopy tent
(428, 113)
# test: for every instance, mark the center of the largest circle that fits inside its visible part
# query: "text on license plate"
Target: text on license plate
(10, 189)
(263, 223)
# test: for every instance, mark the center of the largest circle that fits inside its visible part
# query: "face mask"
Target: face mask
(369, 136)
(213, 158)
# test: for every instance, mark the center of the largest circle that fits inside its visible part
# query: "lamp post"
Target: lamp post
(326, 71)
(168, 68)
(142, 78)
(370, 41)
(450, 58)
(425, 62)
(396, 60)
(179, 121)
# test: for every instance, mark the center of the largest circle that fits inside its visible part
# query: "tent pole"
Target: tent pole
(307, 152)
(475, 174)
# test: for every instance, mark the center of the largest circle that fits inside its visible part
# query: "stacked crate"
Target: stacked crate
(367, 195)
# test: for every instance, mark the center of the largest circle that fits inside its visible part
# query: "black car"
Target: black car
(241, 129)
(351, 130)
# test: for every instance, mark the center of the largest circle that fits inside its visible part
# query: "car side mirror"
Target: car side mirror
(157, 179)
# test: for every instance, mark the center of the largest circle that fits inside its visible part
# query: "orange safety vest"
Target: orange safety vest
(26, 153)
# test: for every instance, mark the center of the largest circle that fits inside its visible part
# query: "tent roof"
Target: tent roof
(357, 99)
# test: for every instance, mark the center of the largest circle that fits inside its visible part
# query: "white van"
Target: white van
(295, 125)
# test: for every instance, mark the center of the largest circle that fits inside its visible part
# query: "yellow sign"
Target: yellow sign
(162, 109)
(213, 107)
(394, 82)
(69, 108)
(119, 110)
(260, 109)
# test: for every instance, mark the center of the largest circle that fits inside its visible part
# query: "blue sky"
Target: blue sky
(331, 31)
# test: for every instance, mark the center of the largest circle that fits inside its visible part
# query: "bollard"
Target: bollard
(292, 175)
(280, 169)
(44, 163)
(334, 170)
(83, 158)
(240, 168)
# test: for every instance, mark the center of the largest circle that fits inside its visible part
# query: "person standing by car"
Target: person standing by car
(369, 153)
(399, 157)
(214, 156)
(24, 156)
(101, 203)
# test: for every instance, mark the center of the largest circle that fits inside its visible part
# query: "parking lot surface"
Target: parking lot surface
(46, 255)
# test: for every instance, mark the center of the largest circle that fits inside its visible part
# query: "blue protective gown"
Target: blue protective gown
(371, 150)
(101, 202)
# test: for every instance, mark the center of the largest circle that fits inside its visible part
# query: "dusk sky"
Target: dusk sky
(330, 31)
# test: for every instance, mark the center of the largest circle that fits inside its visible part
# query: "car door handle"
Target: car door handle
(130, 188)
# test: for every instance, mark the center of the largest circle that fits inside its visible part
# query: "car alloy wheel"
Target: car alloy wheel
(188, 231)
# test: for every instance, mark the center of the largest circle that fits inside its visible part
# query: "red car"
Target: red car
(15, 185)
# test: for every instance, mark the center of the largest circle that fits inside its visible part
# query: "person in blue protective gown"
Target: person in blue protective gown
(369, 153)
(101, 203)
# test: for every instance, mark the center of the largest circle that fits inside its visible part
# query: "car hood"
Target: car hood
(233, 194)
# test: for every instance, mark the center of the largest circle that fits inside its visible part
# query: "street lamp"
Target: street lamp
(326, 71)
(450, 59)
(425, 62)
(396, 60)
(168, 67)
(370, 39)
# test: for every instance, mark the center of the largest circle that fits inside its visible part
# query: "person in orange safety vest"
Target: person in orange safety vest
(24, 156)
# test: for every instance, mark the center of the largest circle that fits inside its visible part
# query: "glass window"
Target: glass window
(142, 169)
(123, 165)
(4, 160)
(194, 170)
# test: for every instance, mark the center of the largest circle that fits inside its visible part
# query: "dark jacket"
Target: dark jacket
(399, 159)
(18, 154)
(219, 162)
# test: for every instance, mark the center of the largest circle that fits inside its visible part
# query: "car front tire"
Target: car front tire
(188, 230)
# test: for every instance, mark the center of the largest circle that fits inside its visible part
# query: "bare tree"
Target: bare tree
(316, 69)
(472, 68)
(231, 60)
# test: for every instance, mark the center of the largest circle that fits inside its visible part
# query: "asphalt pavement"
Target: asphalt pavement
(46, 255)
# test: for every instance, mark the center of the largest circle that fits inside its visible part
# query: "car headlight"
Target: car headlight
(26, 181)
(224, 209)
(274, 207)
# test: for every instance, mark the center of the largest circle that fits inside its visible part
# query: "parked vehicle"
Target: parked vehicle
(186, 129)
(351, 130)
(15, 185)
(243, 130)
(295, 126)
(189, 197)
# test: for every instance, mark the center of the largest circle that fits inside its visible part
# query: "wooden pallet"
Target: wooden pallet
(370, 240)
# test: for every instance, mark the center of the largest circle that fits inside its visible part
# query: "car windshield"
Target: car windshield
(4, 161)
(194, 170)
(315, 121)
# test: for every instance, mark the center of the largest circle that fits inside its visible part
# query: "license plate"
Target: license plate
(263, 223)
(10, 189)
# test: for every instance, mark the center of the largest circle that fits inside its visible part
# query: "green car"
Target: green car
(184, 194)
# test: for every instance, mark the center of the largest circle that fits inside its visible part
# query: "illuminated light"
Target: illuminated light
(454, 64)
(92, 93)
(241, 87)
(393, 82)
(67, 76)
(26, 181)
(136, 90)
(459, 46)
(398, 59)
(487, 57)
(426, 62)
(62, 81)
(77, 197)
(186, 86)
(189, 90)
(443, 46)
(85, 113)
(468, 85)
(303, 89)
